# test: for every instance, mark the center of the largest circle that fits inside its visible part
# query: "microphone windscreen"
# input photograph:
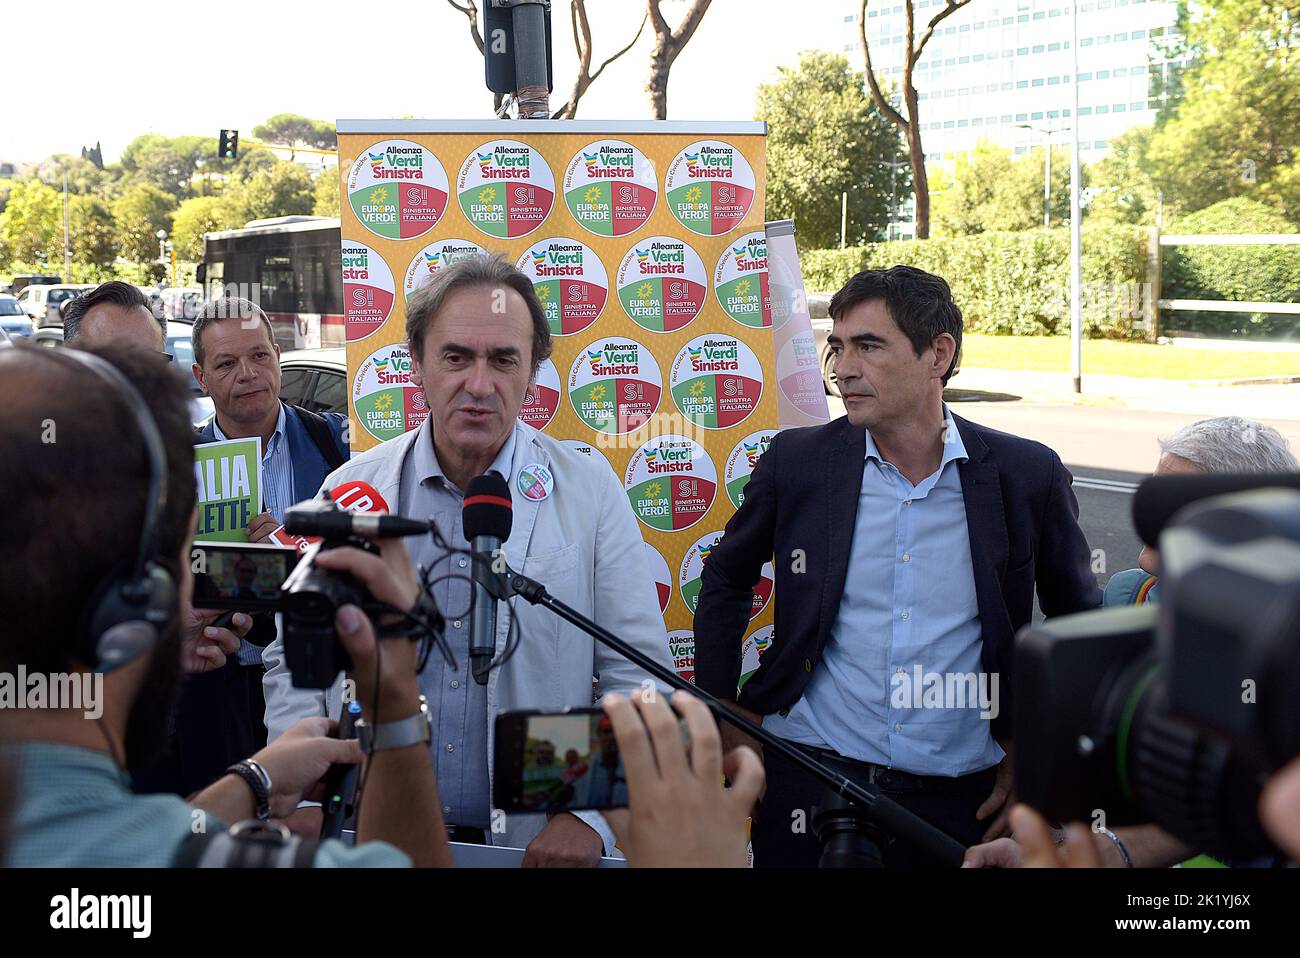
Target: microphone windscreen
(488, 510)
(1160, 498)
(358, 496)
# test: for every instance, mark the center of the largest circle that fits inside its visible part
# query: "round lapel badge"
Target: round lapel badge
(535, 481)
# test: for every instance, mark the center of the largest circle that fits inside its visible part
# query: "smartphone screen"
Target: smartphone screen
(243, 577)
(557, 762)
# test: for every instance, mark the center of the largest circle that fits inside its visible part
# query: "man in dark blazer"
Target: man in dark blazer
(220, 716)
(907, 544)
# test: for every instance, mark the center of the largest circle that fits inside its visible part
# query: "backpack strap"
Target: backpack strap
(318, 428)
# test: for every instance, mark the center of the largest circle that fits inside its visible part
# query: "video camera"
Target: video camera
(257, 578)
(1175, 714)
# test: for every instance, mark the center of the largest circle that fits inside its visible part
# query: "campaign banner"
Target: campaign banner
(646, 246)
(229, 477)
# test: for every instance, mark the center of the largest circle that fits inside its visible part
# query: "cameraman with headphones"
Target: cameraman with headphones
(94, 575)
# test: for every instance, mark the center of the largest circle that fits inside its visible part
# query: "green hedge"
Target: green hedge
(1015, 282)
(1268, 274)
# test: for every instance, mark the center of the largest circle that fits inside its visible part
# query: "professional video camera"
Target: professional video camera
(250, 577)
(1175, 715)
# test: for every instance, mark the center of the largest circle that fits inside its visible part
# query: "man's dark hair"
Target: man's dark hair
(227, 307)
(488, 270)
(115, 293)
(75, 465)
(920, 303)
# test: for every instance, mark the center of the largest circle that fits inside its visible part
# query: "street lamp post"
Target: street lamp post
(162, 250)
(1047, 171)
(1076, 227)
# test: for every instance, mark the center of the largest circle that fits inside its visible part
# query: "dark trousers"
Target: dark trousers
(218, 720)
(784, 838)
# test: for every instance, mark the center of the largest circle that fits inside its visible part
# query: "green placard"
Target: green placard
(229, 476)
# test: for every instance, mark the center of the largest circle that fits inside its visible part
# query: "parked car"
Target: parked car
(42, 303)
(13, 320)
(819, 310)
(181, 303)
(23, 280)
(316, 379)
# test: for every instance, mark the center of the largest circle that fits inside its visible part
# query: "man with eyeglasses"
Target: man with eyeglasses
(114, 313)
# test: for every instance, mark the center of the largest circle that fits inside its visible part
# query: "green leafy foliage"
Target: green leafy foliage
(1013, 282)
(1242, 273)
(825, 137)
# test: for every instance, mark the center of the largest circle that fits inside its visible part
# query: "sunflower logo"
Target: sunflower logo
(378, 196)
(653, 490)
(698, 388)
(487, 195)
(693, 194)
(543, 294)
(596, 393)
(645, 291)
(591, 194)
(742, 288)
(384, 402)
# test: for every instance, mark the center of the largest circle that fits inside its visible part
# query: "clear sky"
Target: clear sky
(111, 71)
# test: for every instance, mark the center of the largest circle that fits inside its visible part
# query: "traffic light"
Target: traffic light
(228, 144)
(500, 20)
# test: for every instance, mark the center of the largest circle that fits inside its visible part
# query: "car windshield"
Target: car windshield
(10, 307)
(59, 295)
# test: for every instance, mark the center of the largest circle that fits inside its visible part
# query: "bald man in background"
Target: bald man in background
(113, 313)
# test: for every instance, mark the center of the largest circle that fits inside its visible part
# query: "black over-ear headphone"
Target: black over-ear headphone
(127, 615)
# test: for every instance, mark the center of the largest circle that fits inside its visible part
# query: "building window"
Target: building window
(1120, 71)
(1039, 48)
(1100, 144)
(1006, 118)
(1038, 115)
(1084, 77)
(1038, 82)
(1137, 105)
(1119, 108)
(1138, 34)
(1085, 111)
(948, 124)
(1102, 109)
(1022, 117)
(978, 121)
(1053, 114)
(1103, 74)
(1086, 42)
(1053, 81)
(1022, 84)
(1053, 46)
(963, 123)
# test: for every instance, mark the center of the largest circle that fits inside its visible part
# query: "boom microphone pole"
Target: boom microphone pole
(869, 804)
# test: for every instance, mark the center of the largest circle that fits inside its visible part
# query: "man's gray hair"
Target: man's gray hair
(227, 307)
(1231, 444)
(490, 270)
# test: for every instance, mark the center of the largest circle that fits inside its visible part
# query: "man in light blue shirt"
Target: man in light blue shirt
(908, 612)
(907, 545)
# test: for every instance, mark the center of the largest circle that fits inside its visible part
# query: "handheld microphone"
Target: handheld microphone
(486, 517)
(354, 496)
(1159, 498)
(349, 511)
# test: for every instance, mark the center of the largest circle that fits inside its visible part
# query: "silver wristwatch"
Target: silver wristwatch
(413, 730)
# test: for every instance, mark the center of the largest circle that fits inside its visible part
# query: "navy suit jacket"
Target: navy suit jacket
(309, 466)
(800, 509)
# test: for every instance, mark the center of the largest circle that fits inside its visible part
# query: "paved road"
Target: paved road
(1109, 450)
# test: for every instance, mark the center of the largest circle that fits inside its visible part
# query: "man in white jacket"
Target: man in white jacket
(477, 335)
